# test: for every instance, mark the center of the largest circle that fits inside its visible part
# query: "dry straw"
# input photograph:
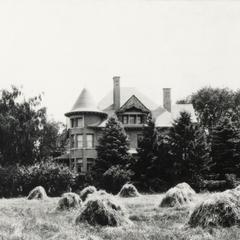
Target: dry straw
(128, 190)
(37, 193)
(178, 196)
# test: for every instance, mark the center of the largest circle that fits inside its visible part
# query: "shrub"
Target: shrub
(215, 185)
(178, 196)
(16, 181)
(104, 211)
(86, 191)
(37, 193)
(115, 177)
(68, 201)
(231, 181)
(220, 209)
(128, 190)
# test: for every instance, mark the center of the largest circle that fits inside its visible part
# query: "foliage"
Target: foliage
(26, 135)
(189, 150)
(15, 181)
(115, 177)
(112, 150)
(211, 104)
(146, 152)
(225, 147)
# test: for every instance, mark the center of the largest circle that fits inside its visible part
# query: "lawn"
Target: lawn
(36, 219)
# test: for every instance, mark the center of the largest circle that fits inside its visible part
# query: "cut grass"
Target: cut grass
(38, 220)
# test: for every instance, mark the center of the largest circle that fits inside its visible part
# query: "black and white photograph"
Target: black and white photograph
(119, 120)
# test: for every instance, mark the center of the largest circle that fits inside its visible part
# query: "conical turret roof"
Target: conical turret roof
(84, 103)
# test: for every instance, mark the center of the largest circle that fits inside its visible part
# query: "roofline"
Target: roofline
(148, 110)
(69, 114)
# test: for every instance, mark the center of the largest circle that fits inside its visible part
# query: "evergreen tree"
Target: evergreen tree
(146, 153)
(113, 147)
(225, 147)
(189, 149)
(161, 166)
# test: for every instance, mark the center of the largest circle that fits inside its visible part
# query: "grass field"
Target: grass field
(36, 219)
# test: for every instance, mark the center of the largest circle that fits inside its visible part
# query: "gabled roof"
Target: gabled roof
(133, 102)
(85, 103)
(106, 103)
(165, 119)
(178, 108)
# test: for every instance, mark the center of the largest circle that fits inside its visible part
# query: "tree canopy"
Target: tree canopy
(26, 134)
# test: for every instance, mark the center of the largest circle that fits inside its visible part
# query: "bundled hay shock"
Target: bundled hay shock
(128, 190)
(103, 210)
(220, 209)
(86, 191)
(186, 187)
(37, 193)
(69, 201)
(178, 196)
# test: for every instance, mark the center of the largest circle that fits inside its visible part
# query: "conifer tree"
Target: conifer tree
(113, 146)
(225, 147)
(161, 166)
(189, 149)
(146, 153)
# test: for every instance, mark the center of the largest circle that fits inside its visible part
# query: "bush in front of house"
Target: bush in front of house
(115, 177)
(20, 180)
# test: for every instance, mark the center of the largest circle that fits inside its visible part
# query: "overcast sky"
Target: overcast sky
(60, 46)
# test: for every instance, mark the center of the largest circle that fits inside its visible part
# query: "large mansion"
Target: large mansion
(87, 120)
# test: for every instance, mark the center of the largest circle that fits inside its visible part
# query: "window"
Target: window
(72, 164)
(139, 139)
(90, 162)
(139, 119)
(79, 141)
(89, 140)
(72, 141)
(79, 122)
(79, 165)
(132, 120)
(72, 123)
(125, 119)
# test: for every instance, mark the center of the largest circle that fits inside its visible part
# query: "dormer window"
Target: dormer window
(132, 119)
(125, 119)
(77, 122)
(139, 119)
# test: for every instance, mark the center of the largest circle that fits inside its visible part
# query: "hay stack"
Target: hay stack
(37, 193)
(102, 192)
(177, 196)
(86, 191)
(187, 189)
(128, 190)
(103, 210)
(237, 188)
(68, 201)
(220, 209)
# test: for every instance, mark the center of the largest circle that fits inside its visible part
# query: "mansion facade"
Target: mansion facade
(87, 119)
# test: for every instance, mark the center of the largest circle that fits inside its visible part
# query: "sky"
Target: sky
(60, 46)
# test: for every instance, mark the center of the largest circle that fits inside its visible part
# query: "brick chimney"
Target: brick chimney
(116, 92)
(167, 99)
